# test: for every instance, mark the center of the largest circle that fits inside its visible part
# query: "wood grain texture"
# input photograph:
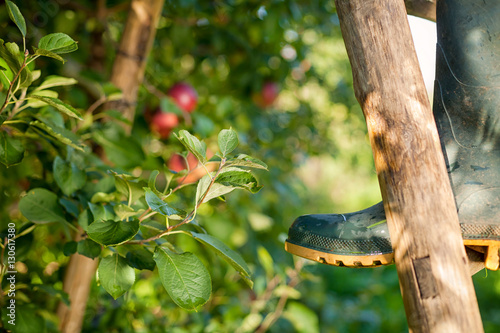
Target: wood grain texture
(417, 195)
(78, 276)
(422, 8)
(135, 45)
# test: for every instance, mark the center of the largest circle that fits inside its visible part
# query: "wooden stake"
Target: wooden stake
(422, 8)
(135, 46)
(437, 290)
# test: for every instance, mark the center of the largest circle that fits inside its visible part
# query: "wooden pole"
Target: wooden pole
(127, 74)
(437, 290)
(135, 46)
(422, 8)
(77, 278)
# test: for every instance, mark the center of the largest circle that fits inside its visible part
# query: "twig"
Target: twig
(188, 218)
(274, 316)
(12, 83)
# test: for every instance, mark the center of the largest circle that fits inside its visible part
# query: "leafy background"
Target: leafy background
(313, 140)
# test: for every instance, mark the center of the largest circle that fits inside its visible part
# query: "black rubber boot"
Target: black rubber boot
(467, 112)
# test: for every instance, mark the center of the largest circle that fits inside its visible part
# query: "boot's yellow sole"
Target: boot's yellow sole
(354, 260)
(490, 248)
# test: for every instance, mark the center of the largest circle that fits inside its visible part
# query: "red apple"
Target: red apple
(267, 95)
(184, 95)
(178, 163)
(163, 123)
(270, 91)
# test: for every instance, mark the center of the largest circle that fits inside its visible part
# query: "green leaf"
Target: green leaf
(124, 212)
(238, 178)
(58, 43)
(68, 176)
(152, 182)
(53, 292)
(185, 278)
(266, 261)
(35, 103)
(28, 319)
(56, 81)
(58, 105)
(230, 256)
(130, 186)
(70, 206)
(10, 59)
(120, 149)
(11, 150)
(115, 114)
(141, 258)
(215, 191)
(167, 104)
(193, 144)
(103, 197)
(85, 219)
(16, 16)
(228, 141)
(3, 68)
(243, 160)
(304, 319)
(41, 206)
(101, 213)
(115, 275)
(14, 58)
(58, 133)
(111, 232)
(69, 248)
(159, 206)
(89, 248)
(49, 54)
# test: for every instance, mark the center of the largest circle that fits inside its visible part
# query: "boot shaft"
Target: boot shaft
(467, 109)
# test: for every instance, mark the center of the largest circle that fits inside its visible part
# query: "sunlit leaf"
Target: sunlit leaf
(124, 212)
(115, 275)
(229, 255)
(58, 43)
(228, 141)
(160, 206)
(35, 103)
(55, 81)
(215, 191)
(49, 54)
(185, 278)
(59, 133)
(243, 160)
(193, 144)
(130, 186)
(58, 105)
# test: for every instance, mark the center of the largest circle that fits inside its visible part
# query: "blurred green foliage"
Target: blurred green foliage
(313, 139)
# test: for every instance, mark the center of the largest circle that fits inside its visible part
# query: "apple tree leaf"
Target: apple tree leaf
(185, 278)
(115, 275)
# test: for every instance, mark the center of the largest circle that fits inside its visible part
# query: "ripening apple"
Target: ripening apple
(163, 123)
(267, 95)
(177, 163)
(196, 171)
(184, 95)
